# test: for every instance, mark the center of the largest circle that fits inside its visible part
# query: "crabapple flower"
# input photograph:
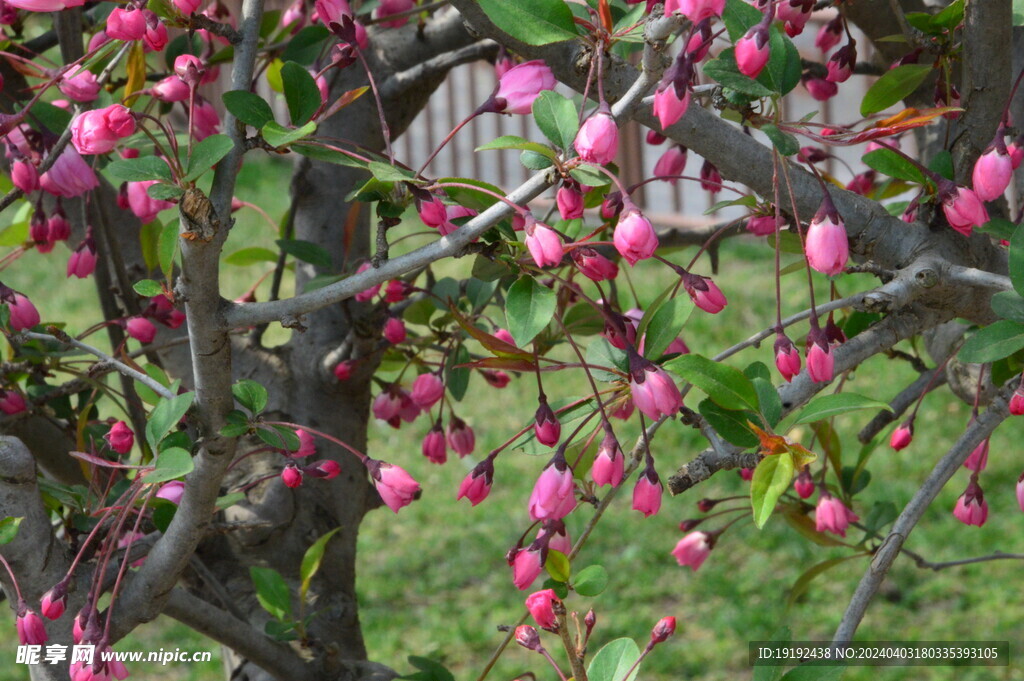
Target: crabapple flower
(1017, 401)
(705, 293)
(803, 484)
(187, 7)
(58, 228)
(669, 107)
(12, 402)
(388, 7)
(827, 247)
(54, 601)
(840, 64)
(902, 436)
(126, 24)
(387, 404)
(526, 567)
(44, 5)
(752, 51)
(661, 632)
(328, 469)
(964, 210)
(593, 265)
(693, 549)
(553, 495)
(710, 178)
(343, 370)
(24, 176)
(820, 360)
(69, 175)
(971, 508)
(307, 445)
(634, 237)
(31, 630)
(120, 437)
(427, 389)
(653, 390)
(671, 164)
(820, 89)
(98, 131)
(434, 447)
(787, 357)
(795, 14)
(521, 85)
(829, 34)
(145, 207)
(396, 487)
(540, 603)
(477, 484)
(647, 492)
(832, 516)
(608, 465)
(546, 426)
(598, 138)
(978, 458)
(569, 202)
(761, 225)
(461, 437)
(556, 537)
(291, 476)
(695, 10)
(544, 244)
(24, 314)
(172, 491)
(141, 329)
(992, 173)
(368, 294)
(79, 84)
(394, 330)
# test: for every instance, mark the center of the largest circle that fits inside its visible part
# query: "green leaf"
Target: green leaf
(950, 17)
(148, 288)
(613, 661)
(802, 582)
(771, 478)
(739, 17)
(995, 341)
(771, 672)
(784, 66)
(9, 529)
(813, 672)
(890, 163)
(171, 464)
(514, 142)
(723, 68)
(827, 406)
(300, 93)
(942, 163)
(591, 580)
(319, 153)
(601, 353)
(279, 136)
(589, 175)
(165, 416)
(248, 107)
(139, 169)
(280, 437)
(557, 118)
(558, 566)
(1017, 260)
(253, 255)
(164, 192)
(893, 86)
(531, 160)
(1000, 228)
(666, 324)
(730, 424)
(167, 247)
(726, 386)
(306, 251)
(768, 396)
(389, 173)
(457, 379)
(207, 154)
(305, 46)
(1009, 305)
(271, 591)
(783, 141)
(534, 22)
(311, 562)
(250, 395)
(529, 308)
(429, 670)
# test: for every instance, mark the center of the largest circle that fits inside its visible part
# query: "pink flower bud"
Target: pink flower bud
(31, 630)
(520, 86)
(69, 176)
(58, 227)
(1016, 151)
(172, 491)
(83, 260)
(505, 336)
(460, 437)
(787, 358)
(141, 329)
(396, 291)
(593, 265)
(634, 237)
(333, 11)
(902, 436)
(546, 425)
(820, 88)
(387, 404)
(654, 392)
(598, 139)
(820, 360)
(608, 465)
(964, 210)
(79, 84)
(795, 14)
(570, 203)
(695, 10)
(556, 537)
(654, 138)
(427, 389)
(971, 507)
(368, 294)
(761, 225)
(24, 314)
(189, 68)
(527, 637)
(829, 34)
(832, 516)
(98, 131)
(394, 330)
(307, 445)
(693, 549)
(671, 164)
(992, 173)
(434, 447)
(526, 567)
(827, 246)
(291, 476)
(647, 492)
(205, 120)
(433, 212)
(840, 64)
(328, 469)
(661, 632)
(804, 484)
(388, 7)
(12, 402)
(544, 244)
(710, 178)
(170, 89)
(24, 176)
(669, 107)
(187, 7)
(979, 457)
(1017, 400)
(126, 24)
(540, 604)
(145, 207)
(343, 370)
(477, 485)
(120, 437)
(553, 495)
(705, 293)
(863, 183)
(155, 38)
(396, 487)
(54, 602)
(752, 51)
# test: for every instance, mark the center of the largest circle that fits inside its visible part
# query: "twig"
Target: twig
(998, 555)
(901, 403)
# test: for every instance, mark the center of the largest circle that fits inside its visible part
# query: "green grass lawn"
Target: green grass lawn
(433, 581)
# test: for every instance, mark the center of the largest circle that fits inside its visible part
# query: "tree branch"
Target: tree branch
(949, 464)
(400, 82)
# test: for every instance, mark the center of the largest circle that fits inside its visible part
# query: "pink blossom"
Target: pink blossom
(569, 202)
(434, 448)
(827, 246)
(787, 358)
(98, 131)
(187, 7)
(433, 213)
(829, 34)
(553, 495)
(41, 5)
(634, 237)
(971, 507)
(593, 265)
(396, 487)
(54, 601)
(820, 88)
(291, 476)
(693, 549)
(540, 605)
(527, 637)
(664, 628)
(24, 176)
(155, 38)
(556, 537)
(145, 207)
(387, 404)
(902, 436)
(752, 51)
(705, 293)
(388, 7)
(992, 172)
(710, 178)
(647, 492)
(505, 336)
(120, 437)
(761, 225)
(964, 210)
(171, 89)
(795, 14)
(978, 458)
(343, 370)
(820, 361)
(521, 85)
(461, 437)
(598, 139)
(69, 175)
(205, 120)
(307, 445)
(526, 567)
(427, 389)
(669, 107)
(24, 314)
(832, 516)
(1017, 400)
(332, 11)
(394, 330)
(546, 426)
(608, 465)
(141, 329)
(654, 392)
(172, 491)
(840, 64)
(544, 244)
(12, 402)
(126, 24)
(368, 294)
(79, 84)
(162, 310)
(328, 469)
(695, 10)
(671, 164)
(804, 483)
(31, 630)
(477, 485)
